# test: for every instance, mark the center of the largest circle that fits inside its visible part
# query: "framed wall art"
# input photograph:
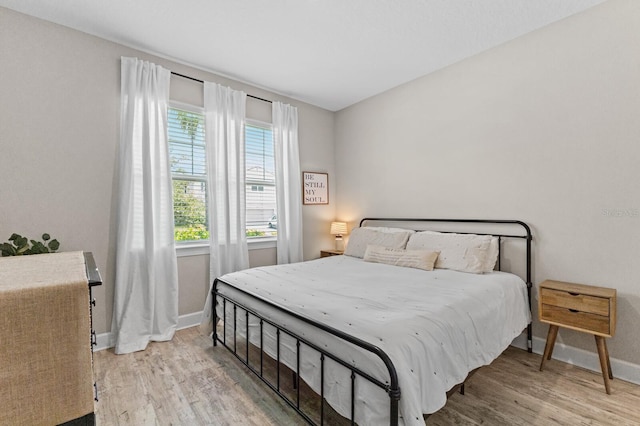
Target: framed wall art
(315, 188)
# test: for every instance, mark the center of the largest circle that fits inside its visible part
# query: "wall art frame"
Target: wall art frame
(315, 188)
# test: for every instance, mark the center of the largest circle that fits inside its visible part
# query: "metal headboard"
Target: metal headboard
(525, 234)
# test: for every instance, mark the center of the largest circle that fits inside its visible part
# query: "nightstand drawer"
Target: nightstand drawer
(572, 318)
(577, 301)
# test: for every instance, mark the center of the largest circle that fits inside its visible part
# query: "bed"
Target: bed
(377, 342)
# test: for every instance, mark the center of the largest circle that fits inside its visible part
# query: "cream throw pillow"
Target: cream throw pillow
(420, 259)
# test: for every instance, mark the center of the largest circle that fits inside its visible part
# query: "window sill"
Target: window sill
(201, 248)
(192, 249)
(262, 243)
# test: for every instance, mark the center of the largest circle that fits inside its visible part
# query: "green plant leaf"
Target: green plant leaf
(46, 237)
(14, 237)
(7, 249)
(21, 242)
(36, 247)
(54, 245)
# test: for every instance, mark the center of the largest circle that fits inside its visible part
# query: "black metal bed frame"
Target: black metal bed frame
(391, 387)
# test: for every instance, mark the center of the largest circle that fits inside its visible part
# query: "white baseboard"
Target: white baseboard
(621, 369)
(579, 357)
(189, 320)
(105, 340)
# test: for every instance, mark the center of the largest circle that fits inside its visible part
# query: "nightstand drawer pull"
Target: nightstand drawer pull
(574, 310)
(574, 294)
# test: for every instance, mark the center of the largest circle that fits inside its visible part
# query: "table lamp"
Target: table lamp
(339, 229)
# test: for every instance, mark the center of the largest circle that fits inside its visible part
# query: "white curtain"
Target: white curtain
(145, 304)
(288, 183)
(225, 147)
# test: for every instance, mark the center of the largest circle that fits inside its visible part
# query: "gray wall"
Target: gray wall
(544, 129)
(59, 132)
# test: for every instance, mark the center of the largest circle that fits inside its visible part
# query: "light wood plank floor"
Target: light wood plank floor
(189, 382)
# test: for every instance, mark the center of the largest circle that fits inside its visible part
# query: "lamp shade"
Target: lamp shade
(338, 228)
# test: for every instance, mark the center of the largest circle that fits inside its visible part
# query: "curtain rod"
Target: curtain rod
(201, 81)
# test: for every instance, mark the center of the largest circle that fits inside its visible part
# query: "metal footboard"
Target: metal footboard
(392, 388)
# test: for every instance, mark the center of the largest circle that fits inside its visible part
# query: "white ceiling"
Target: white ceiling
(329, 53)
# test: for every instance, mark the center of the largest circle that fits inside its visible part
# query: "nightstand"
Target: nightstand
(327, 253)
(579, 307)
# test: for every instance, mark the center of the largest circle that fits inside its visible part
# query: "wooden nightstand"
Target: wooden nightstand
(327, 253)
(579, 307)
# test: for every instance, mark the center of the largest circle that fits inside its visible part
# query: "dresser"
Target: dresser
(94, 279)
(580, 307)
(47, 339)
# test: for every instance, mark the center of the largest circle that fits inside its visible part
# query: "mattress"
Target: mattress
(436, 326)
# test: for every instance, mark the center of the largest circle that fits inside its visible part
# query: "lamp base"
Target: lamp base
(339, 243)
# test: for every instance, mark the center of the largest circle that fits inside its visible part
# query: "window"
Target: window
(261, 180)
(189, 176)
(188, 173)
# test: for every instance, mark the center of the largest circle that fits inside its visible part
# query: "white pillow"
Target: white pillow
(361, 237)
(492, 255)
(421, 259)
(460, 252)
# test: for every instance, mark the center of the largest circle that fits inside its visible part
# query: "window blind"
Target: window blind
(260, 180)
(189, 174)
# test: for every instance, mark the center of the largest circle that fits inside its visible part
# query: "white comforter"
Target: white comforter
(435, 326)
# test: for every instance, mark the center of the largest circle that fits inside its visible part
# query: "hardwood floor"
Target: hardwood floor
(189, 382)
